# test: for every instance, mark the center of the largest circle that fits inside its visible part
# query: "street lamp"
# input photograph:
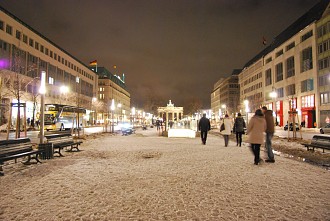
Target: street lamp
(133, 116)
(247, 110)
(42, 91)
(120, 111)
(64, 90)
(123, 115)
(246, 103)
(273, 95)
(94, 99)
(112, 111)
(224, 107)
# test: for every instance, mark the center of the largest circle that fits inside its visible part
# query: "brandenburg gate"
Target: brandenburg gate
(170, 113)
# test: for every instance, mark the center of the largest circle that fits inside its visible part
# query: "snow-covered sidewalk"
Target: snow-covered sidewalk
(146, 177)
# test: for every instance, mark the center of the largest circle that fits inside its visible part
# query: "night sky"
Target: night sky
(168, 49)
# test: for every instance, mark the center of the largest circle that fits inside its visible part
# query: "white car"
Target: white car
(325, 129)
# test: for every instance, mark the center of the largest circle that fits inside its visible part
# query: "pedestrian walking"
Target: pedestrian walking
(269, 134)
(256, 128)
(239, 126)
(204, 126)
(38, 123)
(158, 125)
(227, 131)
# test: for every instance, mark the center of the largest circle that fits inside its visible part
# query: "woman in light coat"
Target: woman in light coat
(255, 130)
(228, 127)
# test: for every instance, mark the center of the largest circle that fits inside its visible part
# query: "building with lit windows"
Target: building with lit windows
(24, 53)
(292, 73)
(323, 56)
(215, 100)
(112, 87)
(225, 96)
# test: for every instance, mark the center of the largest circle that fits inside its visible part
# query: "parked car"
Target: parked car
(325, 129)
(291, 127)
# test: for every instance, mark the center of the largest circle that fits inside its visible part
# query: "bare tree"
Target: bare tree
(153, 101)
(14, 82)
(3, 95)
(192, 105)
(33, 94)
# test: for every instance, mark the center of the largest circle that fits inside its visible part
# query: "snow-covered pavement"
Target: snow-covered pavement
(146, 177)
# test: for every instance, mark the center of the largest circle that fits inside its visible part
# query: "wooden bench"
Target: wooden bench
(319, 141)
(61, 141)
(17, 148)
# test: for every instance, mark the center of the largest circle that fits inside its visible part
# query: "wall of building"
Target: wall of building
(323, 52)
(273, 73)
(25, 51)
(225, 97)
(108, 90)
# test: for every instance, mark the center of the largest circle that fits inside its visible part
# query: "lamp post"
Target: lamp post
(112, 112)
(42, 91)
(247, 110)
(224, 107)
(64, 90)
(120, 112)
(94, 99)
(133, 116)
(273, 95)
(123, 115)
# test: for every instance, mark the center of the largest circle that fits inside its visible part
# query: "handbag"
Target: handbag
(222, 127)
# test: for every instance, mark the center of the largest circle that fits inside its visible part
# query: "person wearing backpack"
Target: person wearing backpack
(239, 126)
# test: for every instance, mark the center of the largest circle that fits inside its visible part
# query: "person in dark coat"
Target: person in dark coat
(239, 128)
(204, 126)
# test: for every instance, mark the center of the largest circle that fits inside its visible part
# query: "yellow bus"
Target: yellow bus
(63, 117)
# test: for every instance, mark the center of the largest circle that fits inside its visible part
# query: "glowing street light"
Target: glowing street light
(94, 99)
(224, 106)
(42, 91)
(64, 89)
(246, 103)
(120, 111)
(273, 94)
(133, 116)
(113, 107)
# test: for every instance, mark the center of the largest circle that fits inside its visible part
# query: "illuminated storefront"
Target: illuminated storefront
(279, 113)
(308, 115)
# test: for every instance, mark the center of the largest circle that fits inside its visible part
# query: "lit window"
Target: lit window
(50, 80)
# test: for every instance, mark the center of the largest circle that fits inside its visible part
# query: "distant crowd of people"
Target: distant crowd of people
(262, 122)
(32, 123)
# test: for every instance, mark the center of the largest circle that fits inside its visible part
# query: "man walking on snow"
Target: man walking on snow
(204, 126)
